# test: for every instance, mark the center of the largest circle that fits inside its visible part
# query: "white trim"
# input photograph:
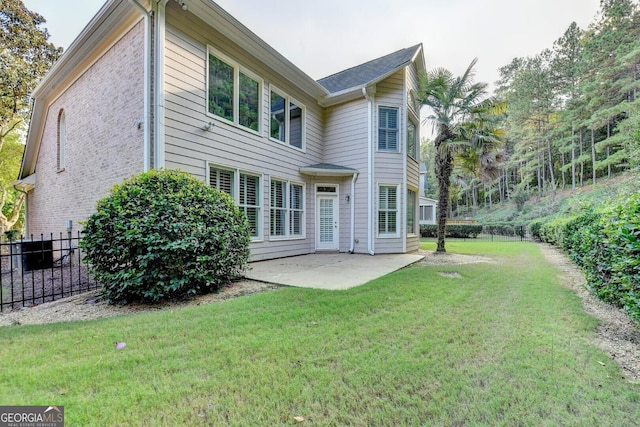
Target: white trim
(159, 101)
(288, 210)
(237, 70)
(335, 196)
(287, 119)
(398, 210)
(235, 192)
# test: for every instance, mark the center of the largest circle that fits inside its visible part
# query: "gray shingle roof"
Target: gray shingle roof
(370, 71)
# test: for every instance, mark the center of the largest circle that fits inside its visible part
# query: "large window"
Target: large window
(387, 129)
(245, 191)
(286, 119)
(62, 141)
(411, 212)
(233, 93)
(388, 210)
(412, 140)
(287, 209)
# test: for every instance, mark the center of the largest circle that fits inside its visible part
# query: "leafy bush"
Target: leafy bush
(504, 229)
(164, 234)
(605, 244)
(535, 227)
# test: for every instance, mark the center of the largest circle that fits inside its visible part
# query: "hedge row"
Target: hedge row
(605, 243)
(461, 231)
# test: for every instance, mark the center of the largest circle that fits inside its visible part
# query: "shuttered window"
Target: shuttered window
(246, 193)
(388, 210)
(222, 180)
(249, 201)
(287, 209)
(388, 129)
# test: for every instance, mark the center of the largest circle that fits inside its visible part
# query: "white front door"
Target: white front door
(327, 222)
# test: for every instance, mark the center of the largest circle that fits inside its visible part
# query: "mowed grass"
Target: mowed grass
(504, 344)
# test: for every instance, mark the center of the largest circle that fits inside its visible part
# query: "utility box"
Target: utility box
(36, 255)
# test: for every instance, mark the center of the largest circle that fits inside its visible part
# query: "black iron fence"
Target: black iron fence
(489, 233)
(41, 269)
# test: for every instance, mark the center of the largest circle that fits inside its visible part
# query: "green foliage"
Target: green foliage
(535, 228)
(605, 243)
(462, 231)
(165, 234)
(519, 196)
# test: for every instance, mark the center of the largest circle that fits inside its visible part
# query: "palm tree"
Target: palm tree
(460, 117)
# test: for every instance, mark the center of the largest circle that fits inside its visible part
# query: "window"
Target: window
(426, 214)
(61, 142)
(286, 120)
(233, 93)
(246, 193)
(287, 209)
(388, 129)
(411, 212)
(388, 210)
(412, 140)
(249, 201)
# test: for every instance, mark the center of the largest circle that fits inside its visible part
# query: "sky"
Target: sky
(327, 36)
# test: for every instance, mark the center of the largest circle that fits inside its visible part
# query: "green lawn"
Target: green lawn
(503, 345)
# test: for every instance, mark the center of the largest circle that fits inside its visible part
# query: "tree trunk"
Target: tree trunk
(444, 168)
(573, 160)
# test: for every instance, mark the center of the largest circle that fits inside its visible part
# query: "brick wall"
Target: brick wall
(103, 142)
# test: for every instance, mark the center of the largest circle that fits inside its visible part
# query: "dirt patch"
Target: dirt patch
(90, 305)
(446, 258)
(617, 335)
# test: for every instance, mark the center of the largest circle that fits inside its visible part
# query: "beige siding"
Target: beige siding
(188, 146)
(103, 143)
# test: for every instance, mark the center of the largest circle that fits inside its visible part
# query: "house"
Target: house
(427, 205)
(327, 165)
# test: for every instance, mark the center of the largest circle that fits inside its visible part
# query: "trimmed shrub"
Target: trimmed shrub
(164, 234)
(535, 227)
(463, 231)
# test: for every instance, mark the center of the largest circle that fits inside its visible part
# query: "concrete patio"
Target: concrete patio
(330, 270)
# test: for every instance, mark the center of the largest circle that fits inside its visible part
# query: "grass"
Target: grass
(503, 345)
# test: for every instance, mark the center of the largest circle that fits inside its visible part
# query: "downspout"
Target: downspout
(158, 81)
(368, 93)
(353, 212)
(147, 82)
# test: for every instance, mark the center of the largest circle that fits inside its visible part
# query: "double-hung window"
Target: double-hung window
(388, 129)
(388, 210)
(245, 190)
(412, 139)
(411, 212)
(233, 93)
(287, 209)
(286, 119)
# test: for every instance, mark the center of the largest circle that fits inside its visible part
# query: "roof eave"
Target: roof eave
(356, 92)
(220, 19)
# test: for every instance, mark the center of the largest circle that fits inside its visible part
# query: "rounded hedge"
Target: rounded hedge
(165, 234)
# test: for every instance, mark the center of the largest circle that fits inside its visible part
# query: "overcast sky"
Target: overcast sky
(322, 37)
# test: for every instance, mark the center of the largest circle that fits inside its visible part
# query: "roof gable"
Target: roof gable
(369, 72)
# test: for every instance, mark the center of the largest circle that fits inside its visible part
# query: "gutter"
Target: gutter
(353, 212)
(369, 93)
(147, 81)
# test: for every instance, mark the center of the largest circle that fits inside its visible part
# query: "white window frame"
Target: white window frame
(287, 120)
(396, 210)
(396, 129)
(412, 194)
(235, 193)
(237, 70)
(413, 154)
(288, 210)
